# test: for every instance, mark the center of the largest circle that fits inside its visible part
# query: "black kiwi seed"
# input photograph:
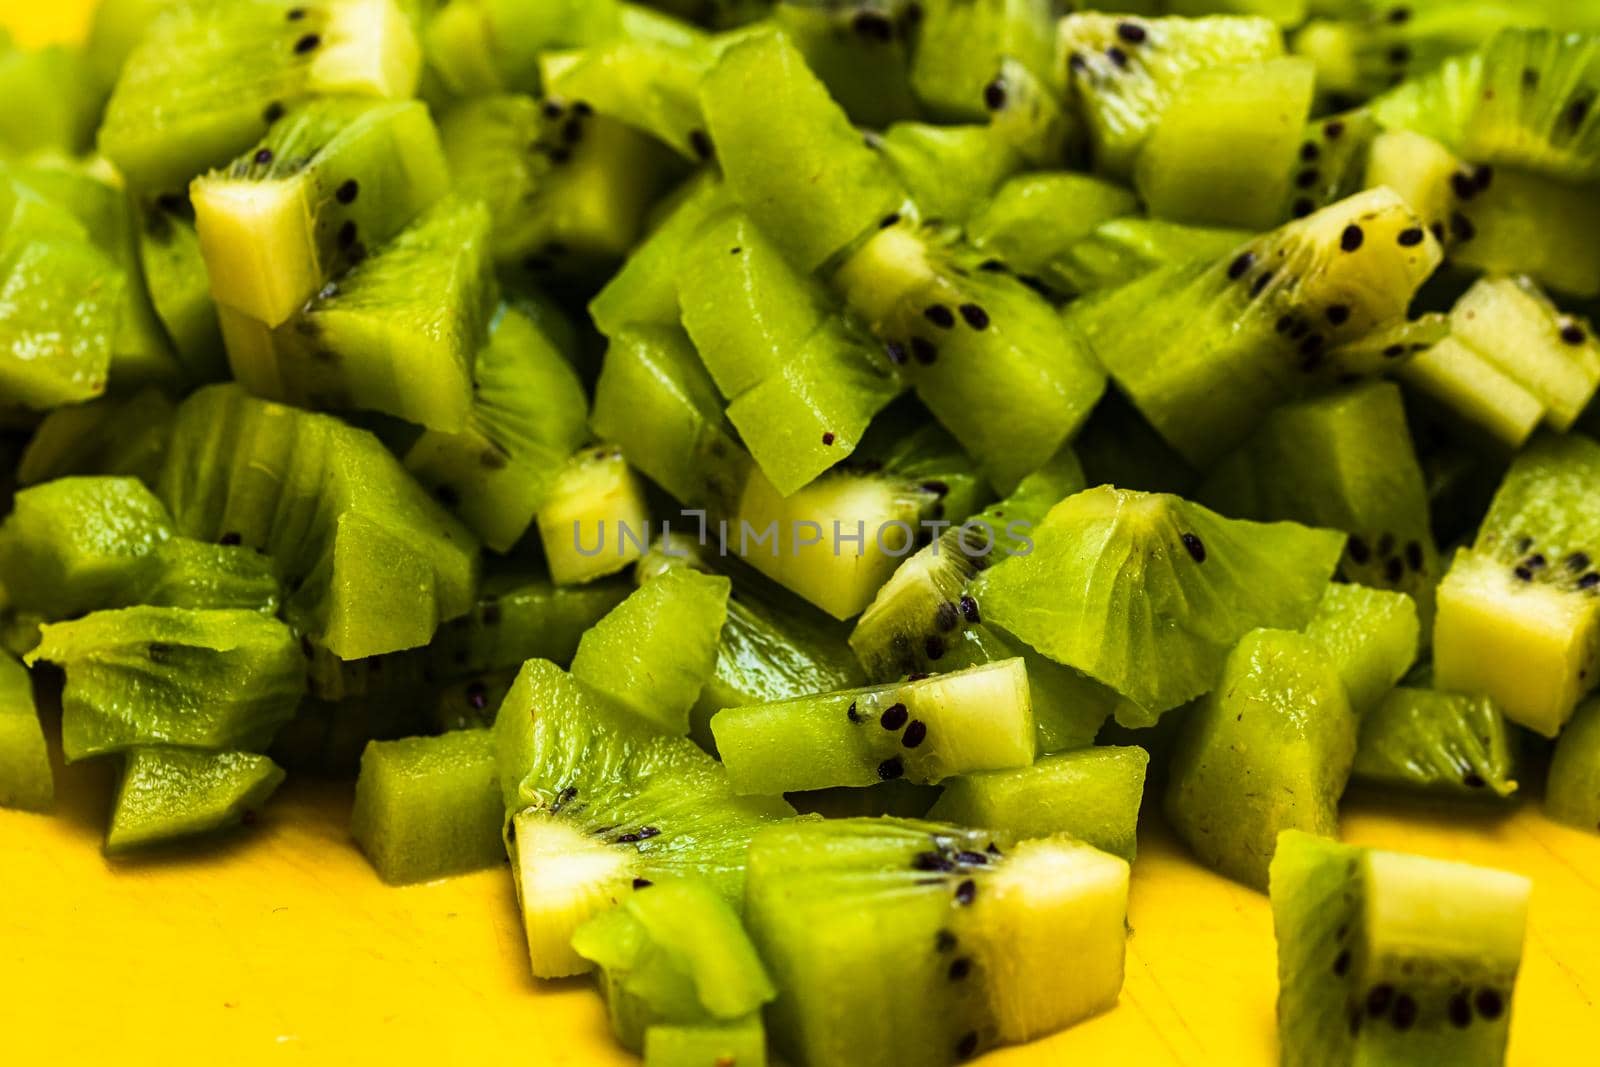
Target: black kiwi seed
(1117, 56)
(893, 717)
(1522, 572)
(1572, 334)
(827, 437)
(1524, 543)
(1578, 110)
(944, 941)
(889, 220)
(994, 94)
(296, 14)
(1077, 64)
(1578, 561)
(924, 350)
(969, 610)
(1404, 1013)
(1378, 999)
(642, 883)
(967, 1045)
(852, 714)
(1131, 32)
(700, 143)
(1399, 15)
(1460, 1012)
(1309, 152)
(1351, 238)
(1473, 780)
(347, 234)
(932, 861)
(1414, 555)
(975, 316)
(934, 647)
(1243, 262)
(1463, 185)
(946, 617)
(1341, 963)
(1489, 1003)
(960, 967)
(1333, 130)
(1462, 227)
(1535, 562)
(1437, 229)
(890, 769)
(967, 891)
(1306, 179)
(1394, 569)
(347, 191)
(1262, 281)
(306, 44)
(940, 316)
(1399, 55)
(1409, 237)
(231, 538)
(1394, 351)
(263, 157)
(896, 353)
(1338, 314)
(1196, 547)
(1483, 175)
(915, 734)
(1302, 207)
(1358, 550)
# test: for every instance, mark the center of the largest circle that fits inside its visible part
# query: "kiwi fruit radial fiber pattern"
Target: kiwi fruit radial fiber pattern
(803, 483)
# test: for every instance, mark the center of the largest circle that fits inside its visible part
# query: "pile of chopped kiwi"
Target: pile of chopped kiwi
(800, 480)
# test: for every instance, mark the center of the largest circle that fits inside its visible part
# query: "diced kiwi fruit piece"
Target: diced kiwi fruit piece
(1386, 957)
(675, 955)
(1334, 162)
(924, 731)
(1222, 150)
(1474, 392)
(948, 171)
(655, 398)
(170, 793)
(1572, 789)
(198, 574)
(152, 676)
(959, 46)
(1371, 635)
(1554, 356)
(802, 383)
(1120, 250)
(859, 49)
(1427, 741)
(655, 651)
(428, 807)
(1167, 586)
(482, 46)
(1268, 749)
(809, 182)
(397, 333)
(1420, 169)
(1092, 794)
(967, 929)
(370, 563)
(1127, 70)
(331, 181)
(115, 31)
(175, 273)
(989, 357)
(1343, 460)
(645, 290)
(743, 1042)
(519, 617)
(912, 619)
(1027, 111)
(528, 416)
(207, 79)
(648, 82)
(835, 542)
(1495, 230)
(594, 520)
(1519, 612)
(1273, 309)
(26, 780)
(51, 100)
(1033, 220)
(566, 187)
(598, 801)
(76, 544)
(59, 305)
(112, 436)
(904, 442)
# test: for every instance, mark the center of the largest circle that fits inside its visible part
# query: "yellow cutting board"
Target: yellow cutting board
(279, 944)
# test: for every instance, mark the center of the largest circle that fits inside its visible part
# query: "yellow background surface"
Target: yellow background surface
(281, 945)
